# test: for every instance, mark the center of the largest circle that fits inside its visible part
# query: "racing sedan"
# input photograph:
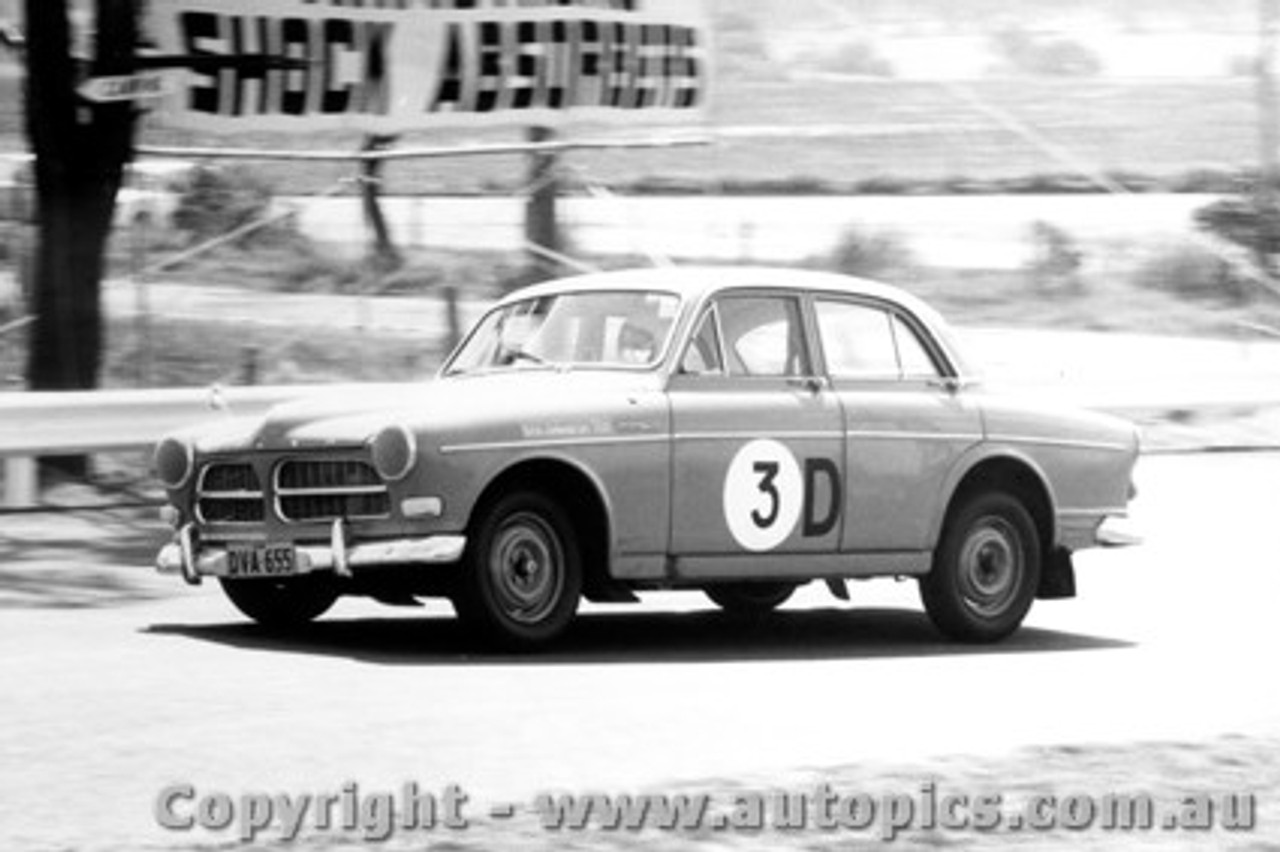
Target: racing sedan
(738, 431)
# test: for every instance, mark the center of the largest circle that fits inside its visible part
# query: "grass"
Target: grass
(193, 354)
(1013, 299)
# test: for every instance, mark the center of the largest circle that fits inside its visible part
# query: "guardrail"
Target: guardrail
(43, 423)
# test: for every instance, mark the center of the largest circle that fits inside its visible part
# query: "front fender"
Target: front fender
(970, 464)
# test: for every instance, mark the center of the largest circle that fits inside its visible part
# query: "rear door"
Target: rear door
(758, 435)
(906, 426)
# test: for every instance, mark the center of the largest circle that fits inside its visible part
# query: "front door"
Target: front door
(758, 439)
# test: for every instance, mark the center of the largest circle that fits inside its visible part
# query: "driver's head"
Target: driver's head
(636, 345)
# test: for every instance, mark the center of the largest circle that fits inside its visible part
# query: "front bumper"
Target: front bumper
(1116, 532)
(194, 561)
(1077, 531)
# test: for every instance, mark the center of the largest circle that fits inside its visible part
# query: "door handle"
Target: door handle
(951, 384)
(813, 384)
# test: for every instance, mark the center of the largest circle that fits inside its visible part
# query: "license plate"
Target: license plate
(261, 560)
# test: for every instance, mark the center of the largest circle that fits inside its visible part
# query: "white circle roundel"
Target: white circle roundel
(763, 495)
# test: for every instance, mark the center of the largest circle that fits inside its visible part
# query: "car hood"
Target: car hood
(353, 415)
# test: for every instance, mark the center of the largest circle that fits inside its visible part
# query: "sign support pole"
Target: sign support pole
(542, 228)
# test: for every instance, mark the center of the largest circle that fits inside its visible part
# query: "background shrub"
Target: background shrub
(1022, 52)
(871, 254)
(214, 201)
(860, 58)
(1193, 272)
(1056, 260)
(1244, 221)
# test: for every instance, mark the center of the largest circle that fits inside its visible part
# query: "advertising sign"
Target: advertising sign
(389, 66)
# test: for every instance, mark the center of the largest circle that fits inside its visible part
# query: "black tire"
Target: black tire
(285, 602)
(748, 598)
(986, 569)
(522, 573)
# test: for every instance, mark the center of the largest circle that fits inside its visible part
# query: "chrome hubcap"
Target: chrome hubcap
(991, 566)
(526, 566)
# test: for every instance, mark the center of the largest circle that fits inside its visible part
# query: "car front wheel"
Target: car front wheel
(288, 602)
(522, 575)
(985, 571)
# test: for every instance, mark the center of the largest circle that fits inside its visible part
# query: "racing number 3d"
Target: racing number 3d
(766, 493)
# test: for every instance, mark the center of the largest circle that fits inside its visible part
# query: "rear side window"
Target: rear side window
(857, 340)
(862, 341)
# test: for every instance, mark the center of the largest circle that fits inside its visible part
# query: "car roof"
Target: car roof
(695, 282)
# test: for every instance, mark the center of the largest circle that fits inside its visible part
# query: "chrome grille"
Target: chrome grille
(229, 493)
(323, 474)
(324, 489)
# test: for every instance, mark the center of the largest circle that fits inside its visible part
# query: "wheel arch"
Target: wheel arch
(1013, 474)
(578, 492)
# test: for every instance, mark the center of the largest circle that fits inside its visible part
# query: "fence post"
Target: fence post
(384, 251)
(139, 234)
(249, 365)
(452, 319)
(20, 487)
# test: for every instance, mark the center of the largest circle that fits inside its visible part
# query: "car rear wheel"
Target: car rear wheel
(750, 598)
(985, 571)
(522, 575)
(286, 602)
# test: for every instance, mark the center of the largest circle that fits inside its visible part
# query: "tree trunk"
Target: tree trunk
(81, 150)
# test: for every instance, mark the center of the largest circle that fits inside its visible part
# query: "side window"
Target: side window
(912, 354)
(763, 336)
(702, 356)
(857, 340)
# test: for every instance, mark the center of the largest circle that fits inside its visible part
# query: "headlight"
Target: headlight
(394, 452)
(173, 462)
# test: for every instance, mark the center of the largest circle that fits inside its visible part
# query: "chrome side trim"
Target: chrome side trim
(547, 443)
(1060, 443)
(886, 435)
(753, 434)
(1067, 514)
(801, 565)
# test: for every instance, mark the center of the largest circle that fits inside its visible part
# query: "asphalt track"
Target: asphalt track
(103, 706)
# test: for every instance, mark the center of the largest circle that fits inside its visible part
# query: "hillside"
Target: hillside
(958, 17)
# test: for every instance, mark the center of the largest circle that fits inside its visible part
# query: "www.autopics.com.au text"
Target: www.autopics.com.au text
(380, 815)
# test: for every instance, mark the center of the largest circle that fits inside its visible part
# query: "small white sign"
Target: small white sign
(126, 87)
